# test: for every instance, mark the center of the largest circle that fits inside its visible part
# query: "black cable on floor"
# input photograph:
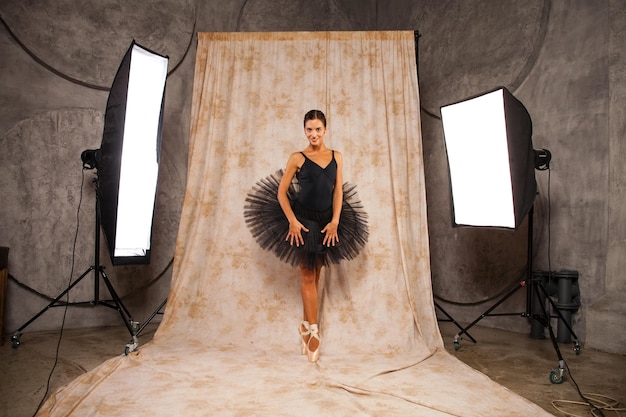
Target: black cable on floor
(580, 393)
(56, 356)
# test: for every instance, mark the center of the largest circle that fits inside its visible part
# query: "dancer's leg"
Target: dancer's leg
(309, 294)
(310, 280)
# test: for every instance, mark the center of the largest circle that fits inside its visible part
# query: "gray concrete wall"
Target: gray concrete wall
(562, 58)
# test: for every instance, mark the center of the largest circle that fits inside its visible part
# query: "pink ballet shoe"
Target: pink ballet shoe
(303, 334)
(315, 354)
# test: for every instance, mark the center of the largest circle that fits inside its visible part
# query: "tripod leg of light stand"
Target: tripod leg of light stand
(556, 374)
(520, 284)
(560, 316)
(451, 319)
(153, 315)
(98, 273)
(118, 305)
(131, 325)
(457, 337)
(131, 347)
(15, 338)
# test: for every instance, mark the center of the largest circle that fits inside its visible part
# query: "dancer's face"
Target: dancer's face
(315, 131)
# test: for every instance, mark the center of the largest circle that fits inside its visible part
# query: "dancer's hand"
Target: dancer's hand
(295, 233)
(331, 237)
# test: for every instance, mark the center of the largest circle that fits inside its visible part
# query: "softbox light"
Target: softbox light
(128, 160)
(491, 160)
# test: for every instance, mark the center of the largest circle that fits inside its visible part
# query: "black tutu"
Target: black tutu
(269, 226)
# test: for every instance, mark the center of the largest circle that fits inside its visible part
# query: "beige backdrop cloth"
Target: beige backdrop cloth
(228, 343)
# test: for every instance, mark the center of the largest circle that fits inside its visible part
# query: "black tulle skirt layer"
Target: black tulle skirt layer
(269, 226)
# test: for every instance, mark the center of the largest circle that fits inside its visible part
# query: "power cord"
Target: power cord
(586, 401)
(67, 303)
(596, 410)
(67, 295)
(600, 403)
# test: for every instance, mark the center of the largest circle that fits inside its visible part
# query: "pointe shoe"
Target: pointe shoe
(315, 354)
(303, 334)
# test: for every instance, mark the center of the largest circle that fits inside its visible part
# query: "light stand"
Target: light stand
(127, 164)
(98, 274)
(535, 292)
(492, 167)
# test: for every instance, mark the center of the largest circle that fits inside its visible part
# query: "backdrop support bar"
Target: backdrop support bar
(449, 318)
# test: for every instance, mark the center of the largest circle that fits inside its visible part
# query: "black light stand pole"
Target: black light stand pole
(98, 270)
(118, 305)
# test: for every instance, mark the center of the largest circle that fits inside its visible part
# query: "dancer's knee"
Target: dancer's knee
(309, 277)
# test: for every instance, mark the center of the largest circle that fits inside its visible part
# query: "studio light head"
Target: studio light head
(542, 159)
(491, 159)
(90, 158)
(128, 158)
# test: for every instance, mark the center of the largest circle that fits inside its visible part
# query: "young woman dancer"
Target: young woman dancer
(321, 220)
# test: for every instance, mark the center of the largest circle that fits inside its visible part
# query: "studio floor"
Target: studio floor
(512, 359)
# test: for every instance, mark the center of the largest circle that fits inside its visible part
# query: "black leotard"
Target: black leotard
(317, 184)
(311, 198)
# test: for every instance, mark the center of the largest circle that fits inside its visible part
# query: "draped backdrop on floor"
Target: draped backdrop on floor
(228, 343)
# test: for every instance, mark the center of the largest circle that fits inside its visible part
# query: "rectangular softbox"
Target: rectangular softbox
(129, 155)
(488, 141)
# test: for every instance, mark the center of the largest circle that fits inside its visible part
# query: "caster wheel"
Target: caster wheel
(577, 348)
(556, 377)
(456, 346)
(131, 347)
(15, 342)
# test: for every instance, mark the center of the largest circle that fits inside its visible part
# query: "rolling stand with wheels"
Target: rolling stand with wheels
(534, 291)
(98, 274)
(556, 375)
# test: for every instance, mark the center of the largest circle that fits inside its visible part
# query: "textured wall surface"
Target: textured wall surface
(563, 59)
